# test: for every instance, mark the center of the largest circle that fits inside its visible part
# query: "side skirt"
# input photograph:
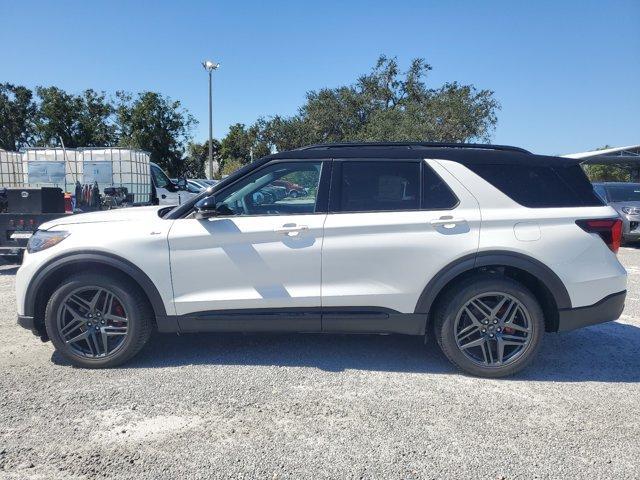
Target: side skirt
(329, 320)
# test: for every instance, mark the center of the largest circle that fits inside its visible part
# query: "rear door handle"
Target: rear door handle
(291, 231)
(447, 222)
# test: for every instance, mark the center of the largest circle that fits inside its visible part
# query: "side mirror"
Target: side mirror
(206, 208)
(182, 183)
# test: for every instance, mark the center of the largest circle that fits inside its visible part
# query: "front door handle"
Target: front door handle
(291, 231)
(447, 222)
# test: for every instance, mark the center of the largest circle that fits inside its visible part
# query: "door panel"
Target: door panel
(385, 259)
(246, 262)
(165, 197)
(260, 266)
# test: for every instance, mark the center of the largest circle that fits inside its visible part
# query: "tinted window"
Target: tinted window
(261, 193)
(541, 186)
(436, 195)
(379, 186)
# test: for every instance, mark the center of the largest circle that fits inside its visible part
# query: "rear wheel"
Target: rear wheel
(98, 321)
(489, 326)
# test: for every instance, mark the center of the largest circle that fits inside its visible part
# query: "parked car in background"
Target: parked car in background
(483, 247)
(207, 181)
(293, 190)
(625, 199)
(168, 191)
(196, 186)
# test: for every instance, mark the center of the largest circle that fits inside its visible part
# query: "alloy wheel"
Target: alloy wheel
(493, 329)
(93, 322)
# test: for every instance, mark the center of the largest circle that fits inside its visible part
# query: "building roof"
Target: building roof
(616, 151)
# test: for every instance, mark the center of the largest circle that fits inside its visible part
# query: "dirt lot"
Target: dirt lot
(318, 406)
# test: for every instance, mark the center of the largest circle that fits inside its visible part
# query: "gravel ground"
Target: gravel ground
(295, 406)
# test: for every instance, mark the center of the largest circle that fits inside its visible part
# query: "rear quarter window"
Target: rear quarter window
(541, 186)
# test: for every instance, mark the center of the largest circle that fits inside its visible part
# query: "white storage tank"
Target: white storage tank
(110, 167)
(52, 167)
(11, 173)
(119, 167)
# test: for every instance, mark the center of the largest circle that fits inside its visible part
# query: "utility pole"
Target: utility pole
(210, 66)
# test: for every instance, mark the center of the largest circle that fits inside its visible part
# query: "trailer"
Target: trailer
(22, 211)
(42, 184)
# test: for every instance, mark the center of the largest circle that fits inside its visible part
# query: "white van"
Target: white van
(167, 192)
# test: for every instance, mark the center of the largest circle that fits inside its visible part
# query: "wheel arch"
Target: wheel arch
(540, 279)
(50, 274)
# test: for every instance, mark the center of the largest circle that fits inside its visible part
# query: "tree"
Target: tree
(84, 120)
(17, 112)
(387, 105)
(230, 166)
(96, 125)
(157, 124)
(606, 172)
(194, 164)
(243, 144)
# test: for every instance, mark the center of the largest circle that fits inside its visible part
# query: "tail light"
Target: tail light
(609, 229)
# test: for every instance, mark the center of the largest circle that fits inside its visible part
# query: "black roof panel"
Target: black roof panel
(457, 152)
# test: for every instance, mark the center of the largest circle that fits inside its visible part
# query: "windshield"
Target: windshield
(161, 179)
(624, 193)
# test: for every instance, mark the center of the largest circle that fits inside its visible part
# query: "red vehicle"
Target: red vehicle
(293, 189)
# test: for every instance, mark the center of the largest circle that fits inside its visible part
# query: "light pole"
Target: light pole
(210, 66)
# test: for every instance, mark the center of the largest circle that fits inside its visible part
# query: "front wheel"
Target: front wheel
(98, 321)
(489, 326)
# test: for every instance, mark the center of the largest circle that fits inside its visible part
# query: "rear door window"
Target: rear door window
(436, 194)
(375, 186)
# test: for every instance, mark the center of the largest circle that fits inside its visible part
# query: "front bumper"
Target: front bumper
(608, 309)
(630, 226)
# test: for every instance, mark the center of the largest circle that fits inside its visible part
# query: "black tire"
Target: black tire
(140, 322)
(293, 194)
(450, 309)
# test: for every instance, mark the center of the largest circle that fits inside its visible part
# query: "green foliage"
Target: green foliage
(157, 124)
(230, 165)
(607, 173)
(79, 120)
(305, 178)
(243, 144)
(387, 105)
(17, 113)
(194, 164)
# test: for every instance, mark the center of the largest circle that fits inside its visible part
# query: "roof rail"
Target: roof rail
(411, 145)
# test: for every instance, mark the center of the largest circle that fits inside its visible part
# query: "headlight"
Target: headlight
(631, 210)
(43, 239)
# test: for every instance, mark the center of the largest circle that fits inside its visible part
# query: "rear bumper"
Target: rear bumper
(608, 309)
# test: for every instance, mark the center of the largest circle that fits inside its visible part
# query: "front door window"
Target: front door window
(265, 192)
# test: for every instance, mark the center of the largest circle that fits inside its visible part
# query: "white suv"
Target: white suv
(485, 247)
